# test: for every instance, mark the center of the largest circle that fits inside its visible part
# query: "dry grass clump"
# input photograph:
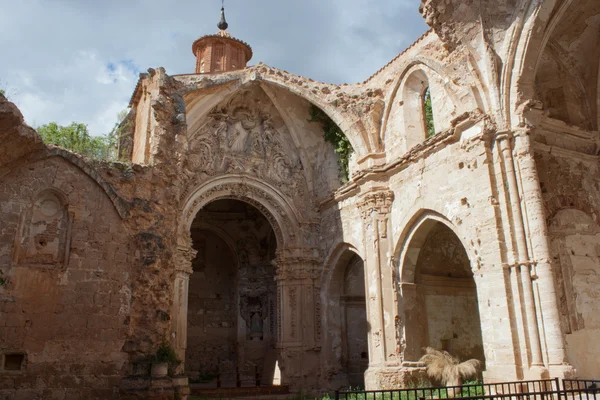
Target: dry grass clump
(447, 369)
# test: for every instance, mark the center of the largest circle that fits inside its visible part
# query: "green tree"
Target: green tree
(428, 113)
(76, 137)
(2, 92)
(334, 135)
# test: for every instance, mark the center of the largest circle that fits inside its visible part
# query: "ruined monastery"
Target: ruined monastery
(229, 238)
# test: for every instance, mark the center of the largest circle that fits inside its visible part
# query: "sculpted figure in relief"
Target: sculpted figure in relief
(242, 137)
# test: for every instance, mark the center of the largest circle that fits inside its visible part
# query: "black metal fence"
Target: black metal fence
(581, 389)
(230, 378)
(549, 389)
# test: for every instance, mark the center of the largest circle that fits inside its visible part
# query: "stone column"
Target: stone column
(523, 262)
(375, 207)
(183, 270)
(540, 254)
(298, 324)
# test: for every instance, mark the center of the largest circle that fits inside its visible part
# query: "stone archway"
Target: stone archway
(232, 295)
(268, 200)
(297, 303)
(439, 294)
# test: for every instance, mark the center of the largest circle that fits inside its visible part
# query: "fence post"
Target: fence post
(558, 388)
(337, 395)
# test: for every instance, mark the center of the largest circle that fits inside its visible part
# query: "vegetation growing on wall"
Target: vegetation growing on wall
(334, 135)
(3, 280)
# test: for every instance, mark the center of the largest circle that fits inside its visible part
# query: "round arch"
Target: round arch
(558, 203)
(269, 201)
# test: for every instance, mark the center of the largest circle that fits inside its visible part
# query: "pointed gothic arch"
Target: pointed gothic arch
(345, 349)
(439, 302)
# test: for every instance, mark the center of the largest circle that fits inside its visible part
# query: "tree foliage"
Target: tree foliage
(430, 128)
(334, 135)
(76, 137)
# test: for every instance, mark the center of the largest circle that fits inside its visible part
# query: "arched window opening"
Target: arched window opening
(417, 103)
(218, 55)
(428, 113)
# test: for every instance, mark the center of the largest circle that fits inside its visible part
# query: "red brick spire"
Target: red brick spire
(220, 52)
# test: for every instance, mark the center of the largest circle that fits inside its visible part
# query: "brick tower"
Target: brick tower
(220, 52)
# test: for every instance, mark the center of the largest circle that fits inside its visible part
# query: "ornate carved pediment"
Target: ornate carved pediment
(246, 136)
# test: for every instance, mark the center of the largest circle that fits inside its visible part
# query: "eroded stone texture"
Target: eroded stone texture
(481, 239)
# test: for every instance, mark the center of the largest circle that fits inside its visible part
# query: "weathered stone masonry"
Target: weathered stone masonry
(482, 239)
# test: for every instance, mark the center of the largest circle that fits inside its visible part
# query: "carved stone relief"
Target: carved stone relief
(246, 136)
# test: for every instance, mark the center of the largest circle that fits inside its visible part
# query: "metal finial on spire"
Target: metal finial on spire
(222, 25)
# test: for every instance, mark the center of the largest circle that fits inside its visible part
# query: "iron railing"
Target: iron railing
(581, 389)
(548, 389)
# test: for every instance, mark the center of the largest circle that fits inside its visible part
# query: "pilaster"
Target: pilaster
(298, 317)
(528, 267)
(183, 270)
(375, 207)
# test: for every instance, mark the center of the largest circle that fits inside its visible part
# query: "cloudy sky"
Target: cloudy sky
(79, 60)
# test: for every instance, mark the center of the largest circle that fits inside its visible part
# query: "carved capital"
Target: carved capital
(502, 136)
(297, 264)
(379, 202)
(183, 259)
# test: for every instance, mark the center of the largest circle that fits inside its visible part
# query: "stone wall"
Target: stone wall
(566, 159)
(67, 305)
(212, 306)
(575, 245)
(98, 256)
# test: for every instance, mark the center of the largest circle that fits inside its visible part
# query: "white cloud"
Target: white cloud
(72, 60)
